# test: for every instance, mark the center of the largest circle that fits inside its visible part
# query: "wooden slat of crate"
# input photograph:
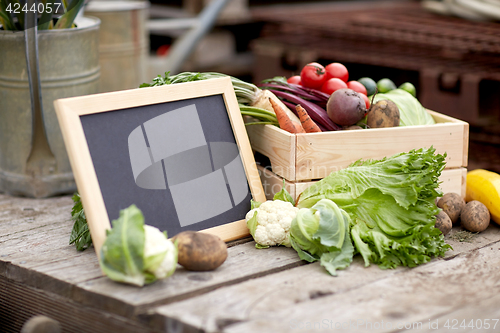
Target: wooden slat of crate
(278, 145)
(453, 180)
(315, 155)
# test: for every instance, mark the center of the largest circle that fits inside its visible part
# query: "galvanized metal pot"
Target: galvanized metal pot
(31, 164)
(123, 43)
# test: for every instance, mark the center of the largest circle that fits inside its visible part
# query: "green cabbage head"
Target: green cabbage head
(322, 233)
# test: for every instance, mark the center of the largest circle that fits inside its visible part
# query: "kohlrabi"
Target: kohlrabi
(135, 253)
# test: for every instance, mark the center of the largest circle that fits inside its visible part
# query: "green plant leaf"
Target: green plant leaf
(5, 17)
(331, 230)
(20, 14)
(66, 20)
(283, 195)
(391, 203)
(122, 254)
(46, 17)
(252, 224)
(80, 234)
(335, 260)
(303, 255)
(6, 21)
(254, 204)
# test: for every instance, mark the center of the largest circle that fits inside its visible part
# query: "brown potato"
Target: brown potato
(200, 251)
(352, 127)
(452, 204)
(443, 222)
(475, 217)
(384, 113)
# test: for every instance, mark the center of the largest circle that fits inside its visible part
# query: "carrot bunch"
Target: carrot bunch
(306, 125)
(284, 120)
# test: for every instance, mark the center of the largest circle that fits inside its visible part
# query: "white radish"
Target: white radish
(261, 100)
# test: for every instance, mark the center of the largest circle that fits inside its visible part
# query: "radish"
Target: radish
(346, 107)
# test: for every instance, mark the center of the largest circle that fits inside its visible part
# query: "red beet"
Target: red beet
(346, 107)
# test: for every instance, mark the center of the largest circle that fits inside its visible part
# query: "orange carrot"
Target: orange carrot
(307, 123)
(284, 120)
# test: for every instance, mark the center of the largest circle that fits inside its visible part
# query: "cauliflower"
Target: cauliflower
(160, 254)
(269, 224)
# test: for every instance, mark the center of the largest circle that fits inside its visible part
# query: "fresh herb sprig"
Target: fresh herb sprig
(80, 235)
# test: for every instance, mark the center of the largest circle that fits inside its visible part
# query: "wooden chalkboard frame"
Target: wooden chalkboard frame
(69, 111)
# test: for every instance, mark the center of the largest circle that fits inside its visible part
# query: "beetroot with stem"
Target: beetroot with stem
(346, 107)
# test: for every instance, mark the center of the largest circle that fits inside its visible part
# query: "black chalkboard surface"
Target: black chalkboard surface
(180, 153)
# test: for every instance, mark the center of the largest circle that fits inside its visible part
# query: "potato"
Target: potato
(452, 204)
(352, 128)
(475, 217)
(200, 251)
(384, 113)
(443, 222)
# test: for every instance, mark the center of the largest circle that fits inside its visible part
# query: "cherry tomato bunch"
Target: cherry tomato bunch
(328, 79)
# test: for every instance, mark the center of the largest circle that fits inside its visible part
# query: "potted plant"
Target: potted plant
(64, 62)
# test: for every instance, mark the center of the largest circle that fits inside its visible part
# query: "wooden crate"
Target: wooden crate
(452, 180)
(312, 156)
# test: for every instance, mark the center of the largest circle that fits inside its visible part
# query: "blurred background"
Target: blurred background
(450, 50)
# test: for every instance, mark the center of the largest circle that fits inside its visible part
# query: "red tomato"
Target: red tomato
(162, 50)
(367, 100)
(333, 84)
(336, 69)
(357, 86)
(294, 79)
(313, 75)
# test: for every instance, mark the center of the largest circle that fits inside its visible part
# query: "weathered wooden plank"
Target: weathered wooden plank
(413, 297)
(34, 249)
(247, 300)
(38, 255)
(280, 294)
(482, 316)
(42, 258)
(19, 302)
(31, 246)
(244, 262)
(490, 235)
(21, 214)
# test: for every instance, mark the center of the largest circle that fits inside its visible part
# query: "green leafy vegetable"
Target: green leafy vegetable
(410, 110)
(322, 233)
(80, 234)
(283, 195)
(392, 207)
(135, 253)
(10, 8)
(246, 93)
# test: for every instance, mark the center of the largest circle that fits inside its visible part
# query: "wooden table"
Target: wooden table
(253, 291)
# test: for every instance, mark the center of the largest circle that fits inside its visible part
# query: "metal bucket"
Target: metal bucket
(123, 43)
(69, 66)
